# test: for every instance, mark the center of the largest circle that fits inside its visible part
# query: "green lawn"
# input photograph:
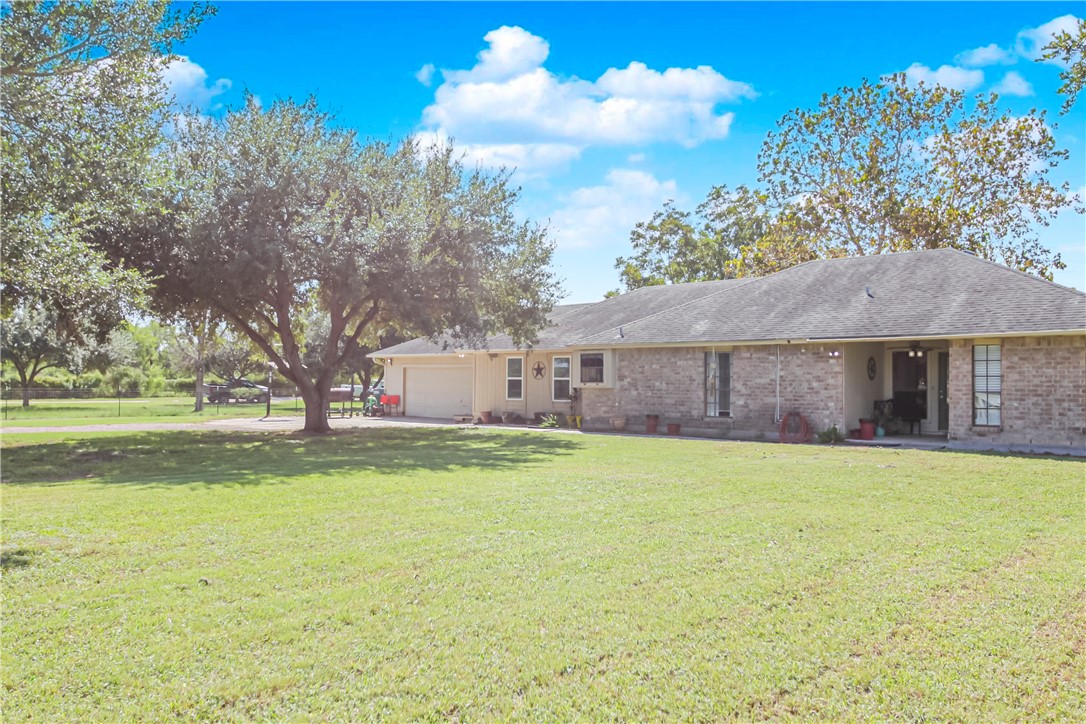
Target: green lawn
(51, 413)
(442, 573)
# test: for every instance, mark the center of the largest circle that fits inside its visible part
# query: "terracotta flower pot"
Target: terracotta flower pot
(867, 429)
(651, 422)
(485, 416)
(673, 428)
(618, 423)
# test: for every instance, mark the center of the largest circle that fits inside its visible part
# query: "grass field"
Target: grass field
(441, 573)
(50, 413)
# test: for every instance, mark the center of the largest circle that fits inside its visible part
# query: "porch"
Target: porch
(902, 386)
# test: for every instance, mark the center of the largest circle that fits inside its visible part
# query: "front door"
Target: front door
(944, 404)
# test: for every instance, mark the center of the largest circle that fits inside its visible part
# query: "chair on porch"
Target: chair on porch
(904, 407)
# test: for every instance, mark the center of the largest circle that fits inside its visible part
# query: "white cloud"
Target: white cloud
(595, 216)
(1031, 41)
(425, 74)
(949, 76)
(635, 158)
(1013, 84)
(187, 82)
(529, 160)
(510, 105)
(512, 51)
(988, 55)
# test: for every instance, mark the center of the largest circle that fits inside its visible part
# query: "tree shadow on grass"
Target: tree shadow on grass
(1046, 456)
(227, 458)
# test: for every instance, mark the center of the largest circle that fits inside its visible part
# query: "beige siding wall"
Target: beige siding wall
(491, 388)
(1043, 398)
(861, 391)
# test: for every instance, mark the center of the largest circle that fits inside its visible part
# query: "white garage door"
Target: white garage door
(437, 391)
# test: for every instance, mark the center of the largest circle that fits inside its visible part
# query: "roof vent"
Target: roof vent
(620, 334)
(868, 292)
(966, 251)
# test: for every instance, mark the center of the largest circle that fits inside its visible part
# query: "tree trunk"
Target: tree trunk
(21, 371)
(316, 408)
(199, 387)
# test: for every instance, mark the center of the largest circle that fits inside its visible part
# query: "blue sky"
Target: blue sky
(609, 109)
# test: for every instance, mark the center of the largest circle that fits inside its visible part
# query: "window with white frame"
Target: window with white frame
(718, 384)
(987, 385)
(560, 379)
(514, 378)
(592, 368)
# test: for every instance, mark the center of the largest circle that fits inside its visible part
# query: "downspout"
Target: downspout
(778, 418)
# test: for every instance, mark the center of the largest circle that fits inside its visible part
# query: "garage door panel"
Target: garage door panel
(437, 391)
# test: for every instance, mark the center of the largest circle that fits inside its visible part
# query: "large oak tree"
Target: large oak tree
(82, 106)
(276, 210)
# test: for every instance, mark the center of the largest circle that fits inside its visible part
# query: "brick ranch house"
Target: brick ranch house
(967, 349)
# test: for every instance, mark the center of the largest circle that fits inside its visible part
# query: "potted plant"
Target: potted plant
(486, 416)
(884, 420)
(651, 423)
(673, 428)
(573, 416)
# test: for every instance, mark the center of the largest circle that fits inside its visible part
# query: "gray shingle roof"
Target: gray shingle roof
(942, 292)
(572, 322)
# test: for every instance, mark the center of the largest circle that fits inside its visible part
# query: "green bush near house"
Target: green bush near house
(480, 574)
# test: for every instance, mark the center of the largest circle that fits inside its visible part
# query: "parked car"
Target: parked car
(231, 389)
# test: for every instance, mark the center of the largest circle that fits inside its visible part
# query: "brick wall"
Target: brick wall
(812, 383)
(1044, 393)
(670, 382)
(659, 381)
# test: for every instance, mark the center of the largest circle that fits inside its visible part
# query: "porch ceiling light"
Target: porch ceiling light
(915, 350)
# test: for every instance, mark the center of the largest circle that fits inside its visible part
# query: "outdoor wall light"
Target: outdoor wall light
(835, 353)
(916, 350)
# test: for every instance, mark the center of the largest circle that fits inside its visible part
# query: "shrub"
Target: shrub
(89, 380)
(247, 393)
(153, 385)
(121, 379)
(53, 382)
(180, 385)
(831, 436)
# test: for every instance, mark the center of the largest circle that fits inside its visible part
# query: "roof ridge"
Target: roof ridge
(727, 288)
(1004, 267)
